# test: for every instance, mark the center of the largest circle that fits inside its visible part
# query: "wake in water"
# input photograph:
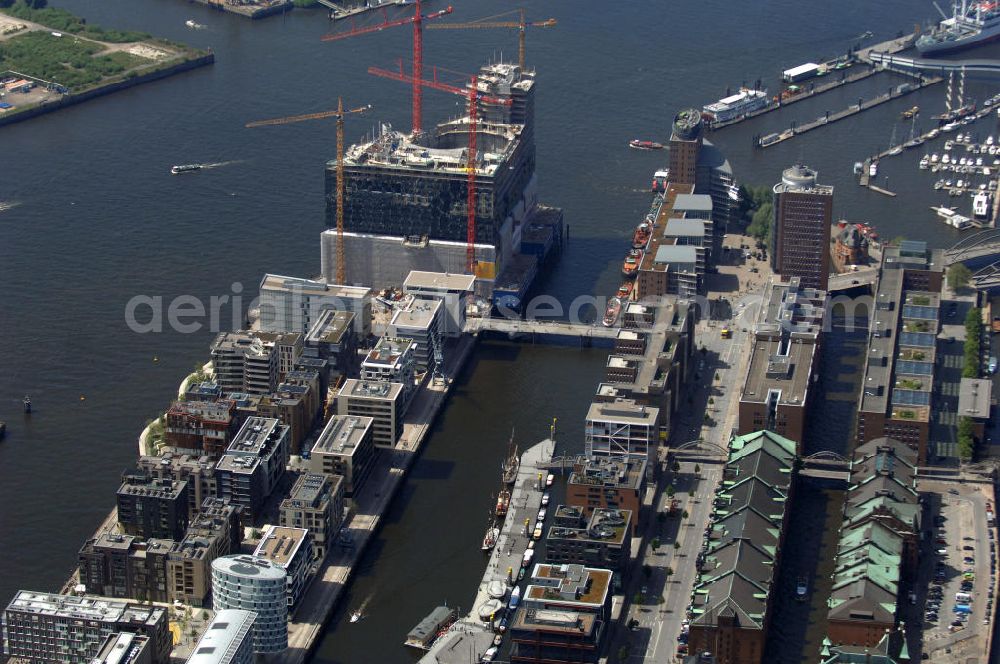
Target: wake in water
(220, 164)
(359, 612)
(8, 205)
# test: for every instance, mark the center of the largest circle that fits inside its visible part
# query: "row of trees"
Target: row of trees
(973, 344)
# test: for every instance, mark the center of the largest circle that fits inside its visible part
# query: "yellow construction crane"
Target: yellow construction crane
(339, 114)
(488, 22)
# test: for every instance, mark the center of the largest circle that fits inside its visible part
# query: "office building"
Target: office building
(124, 648)
(253, 465)
(334, 338)
(800, 235)
(291, 304)
(392, 360)
(214, 533)
(897, 389)
(197, 471)
(289, 549)
(622, 429)
(200, 427)
(69, 629)
(385, 403)
(228, 639)
(345, 448)
(249, 583)
(658, 358)
(421, 320)
(602, 540)
(785, 354)
(608, 483)
(452, 290)
(685, 142)
(738, 566)
(152, 507)
(316, 502)
(563, 616)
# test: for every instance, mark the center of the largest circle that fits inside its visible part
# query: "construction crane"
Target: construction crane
(487, 22)
(339, 114)
(470, 92)
(418, 49)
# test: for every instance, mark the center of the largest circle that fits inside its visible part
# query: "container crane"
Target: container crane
(471, 92)
(417, 20)
(339, 114)
(486, 23)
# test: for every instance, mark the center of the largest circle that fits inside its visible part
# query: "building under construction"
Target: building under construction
(405, 197)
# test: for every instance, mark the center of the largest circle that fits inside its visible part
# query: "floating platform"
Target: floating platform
(427, 630)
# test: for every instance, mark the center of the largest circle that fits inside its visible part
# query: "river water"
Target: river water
(98, 220)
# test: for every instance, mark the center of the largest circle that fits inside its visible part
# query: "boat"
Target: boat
(644, 145)
(910, 112)
(971, 24)
(515, 597)
(952, 218)
(738, 105)
(858, 168)
(503, 503)
(950, 126)
(430, 628)
(801, 589)
(194, 25)
(27, 404)
(625, 291)
(895, 151)
(873, 169)
(641, 236)
(511, 463)
(924, 164)
(612, 312)
(630, 267)
(491, 537)
(356, 615)
(185, 168)
(933, 133)
(660, 180)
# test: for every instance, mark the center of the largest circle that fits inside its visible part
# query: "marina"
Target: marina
(475, 631)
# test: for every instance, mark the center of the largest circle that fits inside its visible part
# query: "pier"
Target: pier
(339, 12)
(370, 506)
(470, 635)
(255, 10)
(854, 109)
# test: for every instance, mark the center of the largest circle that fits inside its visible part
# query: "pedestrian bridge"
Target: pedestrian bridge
(981, 254)
(538, 327)
(892, 61)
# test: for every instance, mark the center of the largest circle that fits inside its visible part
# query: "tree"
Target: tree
(669, 572)
(697, 469)
(760, 224)
(655, 543)
(677, 545)
(684, 514)
(711, 401)
(973, 343)
(623, 653)
(966, 438)
(958, 276)
(670, 491)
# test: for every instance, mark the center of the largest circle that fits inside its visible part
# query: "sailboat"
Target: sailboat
(512, 463)
(914, 139)
(492, 535)
(893, 148)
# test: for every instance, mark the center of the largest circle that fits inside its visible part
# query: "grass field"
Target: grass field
(66, 60)
(63, 21)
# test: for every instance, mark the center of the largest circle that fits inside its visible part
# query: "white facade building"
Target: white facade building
(253, 584)
(228, 639)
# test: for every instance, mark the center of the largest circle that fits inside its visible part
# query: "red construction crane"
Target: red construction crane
(488, 22)
(473, 95)
(418, 48)
(339, 114)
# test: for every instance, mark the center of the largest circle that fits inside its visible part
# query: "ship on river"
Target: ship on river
(971, 24)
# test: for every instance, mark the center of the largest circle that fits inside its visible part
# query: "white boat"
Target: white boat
(356, 615)
(952, 126)
(873, 169)
(935, 158)
(948, 145)
(896, 150)
(490, 538)
(924, 164)
(858, 168)
(194, 25)
(737, 105)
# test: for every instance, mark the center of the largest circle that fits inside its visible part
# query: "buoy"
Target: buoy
(83, 398)
(156, 359)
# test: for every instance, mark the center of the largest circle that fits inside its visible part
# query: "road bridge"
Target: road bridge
(977, 251)
(908, 65)
(534, 327)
